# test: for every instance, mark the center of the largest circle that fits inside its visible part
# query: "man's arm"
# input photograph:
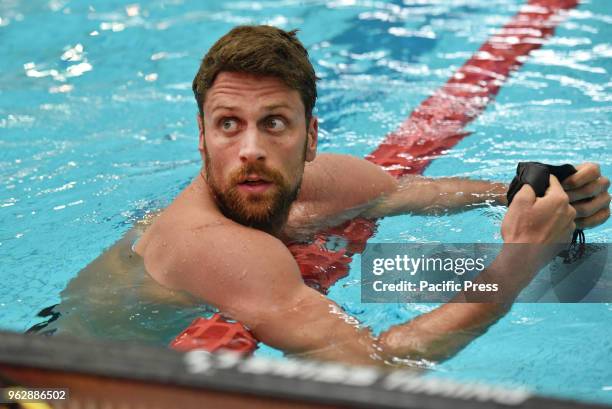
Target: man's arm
(532, 230)
(587, 190)
(252, 277)
(256, 281)
(349, 185)
(421, 195)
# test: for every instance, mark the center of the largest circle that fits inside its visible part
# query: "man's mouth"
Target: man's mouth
(254, 184)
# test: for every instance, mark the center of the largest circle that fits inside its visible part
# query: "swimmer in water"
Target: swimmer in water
(223, 240)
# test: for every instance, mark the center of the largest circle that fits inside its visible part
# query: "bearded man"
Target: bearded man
(223, 240)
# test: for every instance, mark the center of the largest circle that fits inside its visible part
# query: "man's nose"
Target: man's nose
(252, 146)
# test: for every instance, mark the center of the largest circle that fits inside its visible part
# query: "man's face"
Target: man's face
(254, 141)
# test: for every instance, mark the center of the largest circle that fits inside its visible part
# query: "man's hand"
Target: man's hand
(588, 193)
(541, 220)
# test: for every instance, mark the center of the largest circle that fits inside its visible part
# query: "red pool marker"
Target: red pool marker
(320, 267)
(435, 126)
(215, 334)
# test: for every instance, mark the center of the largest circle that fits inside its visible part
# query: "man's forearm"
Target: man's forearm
(416, 194)
(441, 333)
(455, 194)
(459, 193)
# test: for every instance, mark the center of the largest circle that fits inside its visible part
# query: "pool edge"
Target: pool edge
(136, 374)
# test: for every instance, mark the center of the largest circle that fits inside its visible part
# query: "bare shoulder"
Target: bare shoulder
(344, 181)
(224, 264)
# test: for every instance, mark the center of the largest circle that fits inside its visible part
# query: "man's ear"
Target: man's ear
(312, 139)
(201, 145)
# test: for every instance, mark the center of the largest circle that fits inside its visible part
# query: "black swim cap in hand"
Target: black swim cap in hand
(537, 175)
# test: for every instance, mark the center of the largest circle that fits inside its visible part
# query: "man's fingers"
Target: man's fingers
(525, 196)
(595, 220)
(586, 172)
(554, 187)
(586, 208)
(589, 190)
(555, 196)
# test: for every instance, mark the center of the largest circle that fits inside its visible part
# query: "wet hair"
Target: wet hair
(259, 50)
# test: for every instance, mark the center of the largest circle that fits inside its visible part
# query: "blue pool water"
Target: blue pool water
(97, 128)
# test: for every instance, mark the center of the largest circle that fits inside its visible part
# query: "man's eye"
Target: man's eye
(275, 124)
(229, 124)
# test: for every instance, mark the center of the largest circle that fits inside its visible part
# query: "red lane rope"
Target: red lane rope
(435, 126)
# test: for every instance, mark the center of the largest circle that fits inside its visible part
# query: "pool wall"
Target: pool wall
(103, 374)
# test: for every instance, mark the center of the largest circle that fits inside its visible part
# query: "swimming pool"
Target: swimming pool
(98, 128)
